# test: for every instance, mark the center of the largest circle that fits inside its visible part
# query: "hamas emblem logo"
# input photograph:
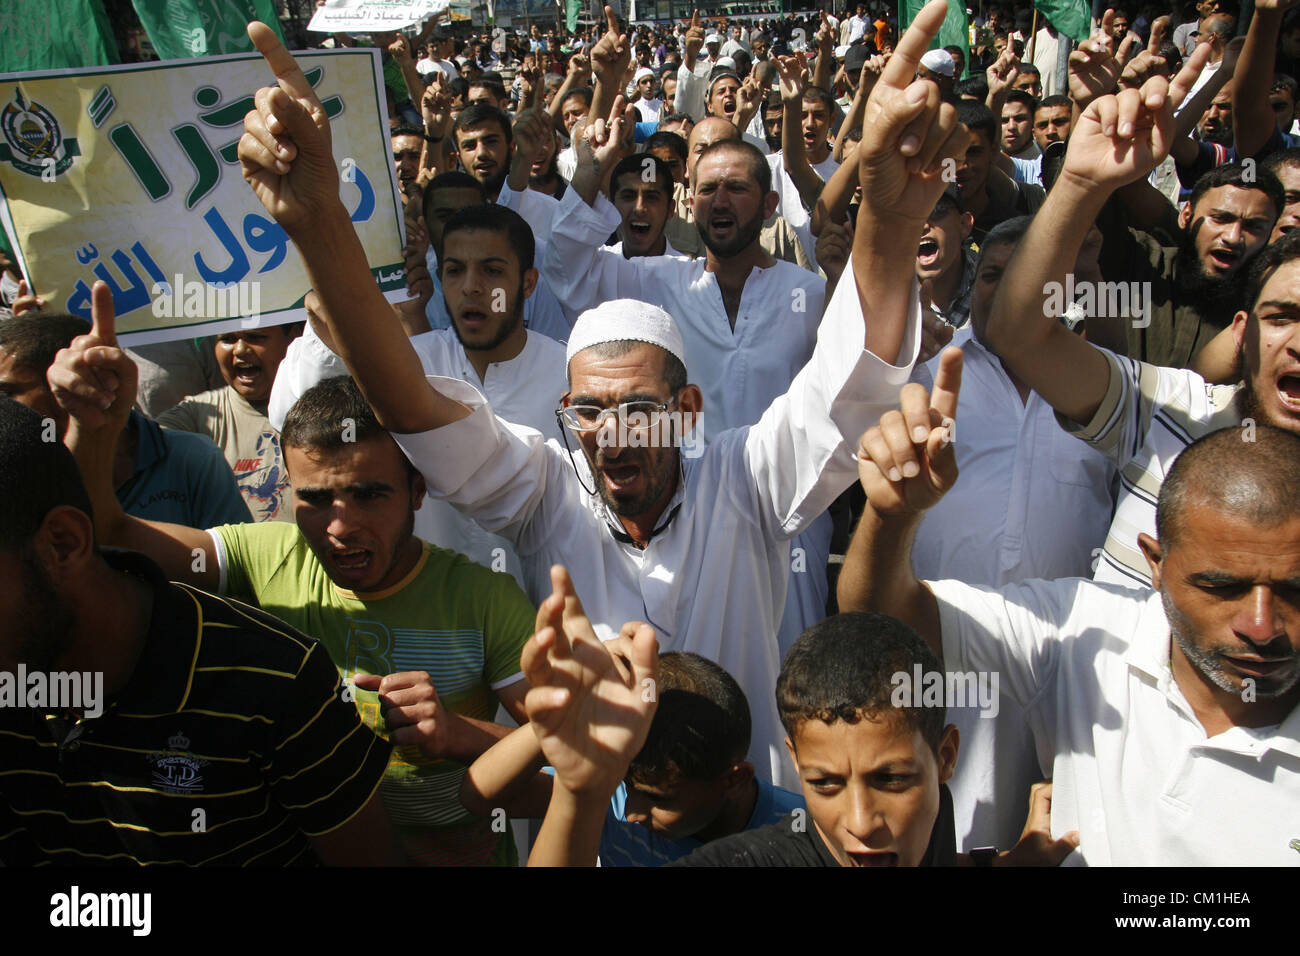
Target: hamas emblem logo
(33, 142)
(175, 769)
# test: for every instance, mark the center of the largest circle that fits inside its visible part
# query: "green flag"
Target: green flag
(52, 34)
(1072, 18)
(180, 29)
(571, 10)
(954, 32)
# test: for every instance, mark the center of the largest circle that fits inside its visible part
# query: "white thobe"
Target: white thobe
(713, 578)
(525, 389)
(1132, 768)
(1030, 502)
(542, 310)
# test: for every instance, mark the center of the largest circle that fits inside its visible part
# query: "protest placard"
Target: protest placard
(373, 16)
(130, 174)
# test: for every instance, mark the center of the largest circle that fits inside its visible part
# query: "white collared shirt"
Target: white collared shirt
(1030, 502)
(526, 389)
(1132, 768)
(713, 579)
(740, 372)
(542, 311)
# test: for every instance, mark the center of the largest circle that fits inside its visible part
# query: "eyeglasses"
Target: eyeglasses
(633, 416)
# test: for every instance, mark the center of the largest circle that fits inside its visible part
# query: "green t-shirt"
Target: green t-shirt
(463, 624)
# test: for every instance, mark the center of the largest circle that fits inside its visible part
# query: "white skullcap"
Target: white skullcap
(712, 38)
(643, 71)
(727, 61)
(939, 61)
(625, 320)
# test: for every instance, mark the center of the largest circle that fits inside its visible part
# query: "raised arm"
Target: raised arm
(1118, 139)
(794, 80)
(578, 75)
(609, 61)
(905, 464)
(286, 157)
(832, 204)
(1253, 121)
(94, 381)
(866, 81)
(907, 135)
(591, 713)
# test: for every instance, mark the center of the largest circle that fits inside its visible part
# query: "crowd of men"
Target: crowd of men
(795, 445)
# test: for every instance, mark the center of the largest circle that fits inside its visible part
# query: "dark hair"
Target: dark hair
(492, 85)
(637, 164)
(452, 179)
(405, 129)
(491, 217)
(1023, 97)
(1056, 100)
(701, 727)
(36, 475)
(842, 669)
(1283, 157)
(669, 140)
(1007, 232)
(1027, 69)
(480, 114)
(978, 118)
(1234, 174)
(758, 164)
(585, 93)
(331, 415)
(1220, 470)
(33, 340)
(822, 96)
(975, 86)
(1267, 261)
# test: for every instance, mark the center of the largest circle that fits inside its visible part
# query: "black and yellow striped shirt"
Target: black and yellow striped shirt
(231, 744)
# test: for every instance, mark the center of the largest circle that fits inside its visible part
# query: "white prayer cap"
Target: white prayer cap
(727, 61)
(939, 61)
(625, 320)
(712, 38)
(643, 71)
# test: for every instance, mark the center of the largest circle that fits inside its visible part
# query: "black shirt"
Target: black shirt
(793, 841)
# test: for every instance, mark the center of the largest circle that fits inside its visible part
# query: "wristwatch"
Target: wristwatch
(984, 855)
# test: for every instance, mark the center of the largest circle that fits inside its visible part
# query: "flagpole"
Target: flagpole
(1033, 36)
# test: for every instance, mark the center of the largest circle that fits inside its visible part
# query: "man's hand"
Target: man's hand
(1003, 72)
(908, 132)
(1036, 846)
(1096, 65)
(590, 711)
(693, 42)
(1122, 137)
(610, 56)
(26, 300)
(93, 380)
(792, 72)
(435, 105)
(400, 49)
(906, 463)
(832, 251)
(1139, 68)
(600, 145)
(749, 98)
(531, 130)
(285, 151)
(580, 67)
(414, 714)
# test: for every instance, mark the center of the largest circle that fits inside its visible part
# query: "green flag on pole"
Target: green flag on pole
(954, 32)
(180, 29)
(571, 10)
(54, 34)
(1072, 18)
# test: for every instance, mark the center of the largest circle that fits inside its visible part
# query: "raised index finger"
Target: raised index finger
(947, 384)
(611, 20)
(102, 317)
(287, 72)
(902, 66)
(1186, 78)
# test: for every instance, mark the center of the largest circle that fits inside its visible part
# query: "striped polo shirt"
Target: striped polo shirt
(230, 744)
(1149, 415)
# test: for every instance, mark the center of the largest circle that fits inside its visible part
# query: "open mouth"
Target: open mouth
(246, 374)
(351, 561)
(722, 222)
(927, 252)
(485, 168)
(639, 229)
(872, 859)
(1225, 259)
(1288, 389)
(1259, 666)
(473, 318)
(619, 477)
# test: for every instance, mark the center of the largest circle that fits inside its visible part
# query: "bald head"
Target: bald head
(1246, 472)
(708, 131)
